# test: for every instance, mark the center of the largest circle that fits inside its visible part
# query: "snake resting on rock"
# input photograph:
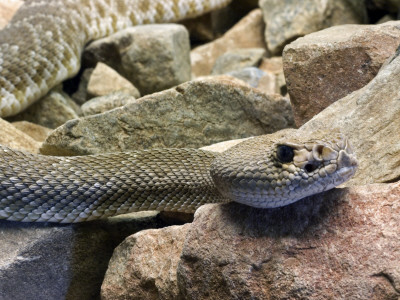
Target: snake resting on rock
(42, 46)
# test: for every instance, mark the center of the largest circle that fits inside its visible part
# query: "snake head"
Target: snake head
(278, 169)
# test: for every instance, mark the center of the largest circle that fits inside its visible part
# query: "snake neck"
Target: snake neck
(82, 188)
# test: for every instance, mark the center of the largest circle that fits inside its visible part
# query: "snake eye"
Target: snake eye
(285, 153)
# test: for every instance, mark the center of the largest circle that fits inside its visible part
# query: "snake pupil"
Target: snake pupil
(285, 153)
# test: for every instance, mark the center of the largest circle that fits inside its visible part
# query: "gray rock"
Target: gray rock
(192, 115)
(369, 117)
(248, 33)
(341, 244)
(152, 57)
(144, 266)
(238, 59)
(51, 111)
(47, 261)
(288, 20)
(81, 95)
(255, 77)
(325, 66)
(104, 80)
(102, 104)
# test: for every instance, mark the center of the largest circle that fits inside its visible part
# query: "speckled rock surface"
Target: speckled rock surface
(194, 114)
(104, 80)
(144, 265)
(238, 59)
(14, 138)
(152, 57)
(287, 20)
(369, 117)
(325, 66)
(102, 104)
(248, 33)
(342, 244)
(47, 261)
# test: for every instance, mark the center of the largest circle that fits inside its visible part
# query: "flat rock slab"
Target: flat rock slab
(369, 117)
(53, 261)
(341, 244)
(194, 114)
(327, 65)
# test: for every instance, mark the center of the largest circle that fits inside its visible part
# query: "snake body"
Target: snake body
(42, 44)
(266, 171)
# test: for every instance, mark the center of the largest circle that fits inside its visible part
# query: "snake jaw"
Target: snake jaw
(264, 181)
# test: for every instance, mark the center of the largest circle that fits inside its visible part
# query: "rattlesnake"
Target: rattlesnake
(265, 171)
(42, 46)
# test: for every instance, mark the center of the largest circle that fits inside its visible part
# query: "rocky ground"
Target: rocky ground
(248, 69)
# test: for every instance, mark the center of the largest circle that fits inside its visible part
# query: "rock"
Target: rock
(256, 78)
(325, 66)
(80, 96)
(388, 5)
(238, 59)
(47, 261)
(152, 57)
(7, 10)
(104, 80)
(274, 65)
(248, 33)
(37, 132)
(102, 104)
(287, 20)
(144, 265)
(51, 111)
(341, 244)
(11, 137)
(369, 117)
(223, 146)
(192, 115)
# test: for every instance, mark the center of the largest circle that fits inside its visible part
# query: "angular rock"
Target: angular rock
(11, 137)
(341, 244)
(51, 111)
(37, 132)
(192, 115)
(7, 10)
(274, 65)
(104, 80)
(152, 57)
(369, 117)
(256, 78)
(325, 66)
(248, 33)
(102, 104)
(47, 261)
(144, 265)
(80, 96)
(287, 20)
(238, 59)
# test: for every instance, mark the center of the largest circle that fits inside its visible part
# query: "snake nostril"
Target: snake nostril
(310, 167)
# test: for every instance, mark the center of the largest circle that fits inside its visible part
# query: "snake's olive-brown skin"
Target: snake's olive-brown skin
(82, 188)
(43, 43)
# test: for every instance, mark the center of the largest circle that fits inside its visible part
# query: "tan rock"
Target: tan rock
(37, 132)
(152, 57)
(108, 102)
(248, 33)
(287, 20)
(341, 244)
(105, 80)
(274, 66)
(325, 66)
(11, 137)
(192, 115)
(369, 117)
(7, 10)
(144, 265)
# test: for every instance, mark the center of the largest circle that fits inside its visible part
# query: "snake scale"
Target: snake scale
(42, 46)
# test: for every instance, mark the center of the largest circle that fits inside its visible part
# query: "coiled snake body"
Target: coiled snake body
(42, 46)
(266, 171)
